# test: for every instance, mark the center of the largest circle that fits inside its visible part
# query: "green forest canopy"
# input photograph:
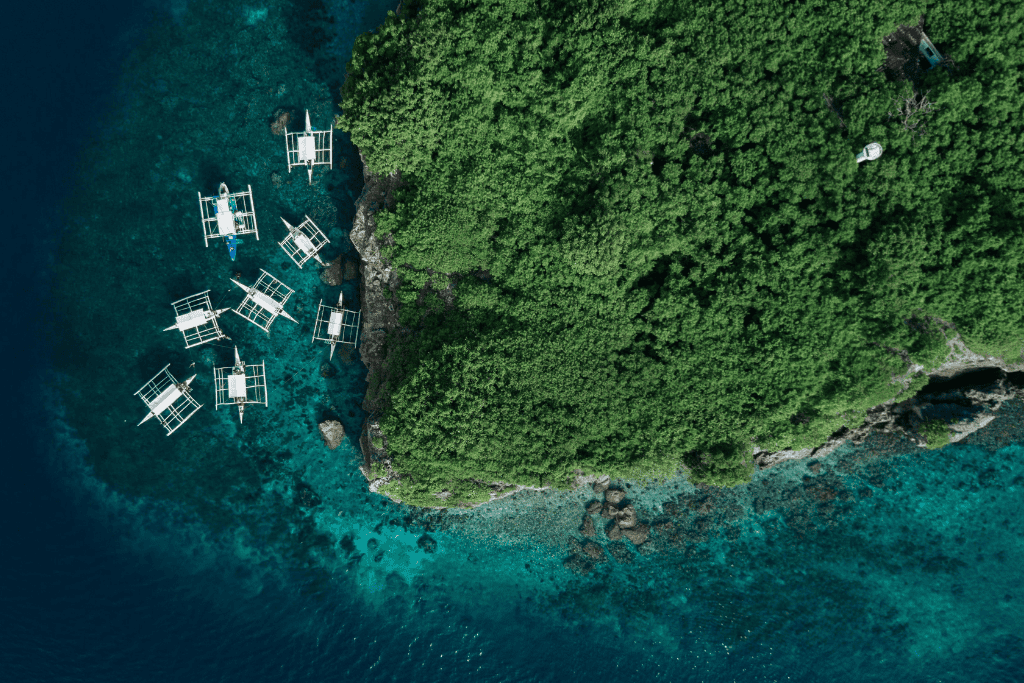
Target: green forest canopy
(659, 241)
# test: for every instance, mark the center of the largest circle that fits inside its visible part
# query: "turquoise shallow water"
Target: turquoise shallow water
(261, 554)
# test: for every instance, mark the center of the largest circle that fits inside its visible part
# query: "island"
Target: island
(626, 239)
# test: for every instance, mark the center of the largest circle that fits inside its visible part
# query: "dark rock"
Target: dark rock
(332, 432)
(600, 486)
(814, 467)
(305, 496)
(427, 544)
(614, 496)
(621, 552)
(331, 275)
(578, 564)
(372, 544)
(646, 548)
(594, 507)
(609, 511)
(279, 120)
(587, 528)
(594, 552)
(395, 583)
(637, 534)
(351, 270)
(865, 493)
(627, 517)
(348, 544)
(327, 371)
(701, 505)
(989, 478)
(613, 531)
(379, 556)
(664, 527)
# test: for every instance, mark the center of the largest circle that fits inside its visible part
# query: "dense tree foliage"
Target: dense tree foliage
(936, 434)
(658, 239)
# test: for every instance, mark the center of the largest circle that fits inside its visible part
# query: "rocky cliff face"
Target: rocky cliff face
(379, 314)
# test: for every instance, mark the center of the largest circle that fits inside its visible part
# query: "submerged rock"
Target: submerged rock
(621, 552)
(427, 544)
(305, 496)
(279, 120)
(613, 531)
(594, 507)
(351, 270)
(601, 485)
(587, 528)
(332, 432)
(578, 564)
(637, 534)
(594, 552)
(331, 275)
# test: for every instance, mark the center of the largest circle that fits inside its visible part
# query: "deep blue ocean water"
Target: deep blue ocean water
(252, 553)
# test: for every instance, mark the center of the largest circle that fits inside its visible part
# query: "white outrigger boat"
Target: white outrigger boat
(168, 400)
(309, 148)
(196, 318)
(304, 242)
(264, 301)
(227, 216)
(239, 385)
(336, 325)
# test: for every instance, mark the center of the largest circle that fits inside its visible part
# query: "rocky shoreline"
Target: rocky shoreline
(379, 317)
(966, 391)
(968, 387)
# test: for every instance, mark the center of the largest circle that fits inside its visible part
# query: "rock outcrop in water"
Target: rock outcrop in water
(332, 432)
(331, 275)
(280, 119)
